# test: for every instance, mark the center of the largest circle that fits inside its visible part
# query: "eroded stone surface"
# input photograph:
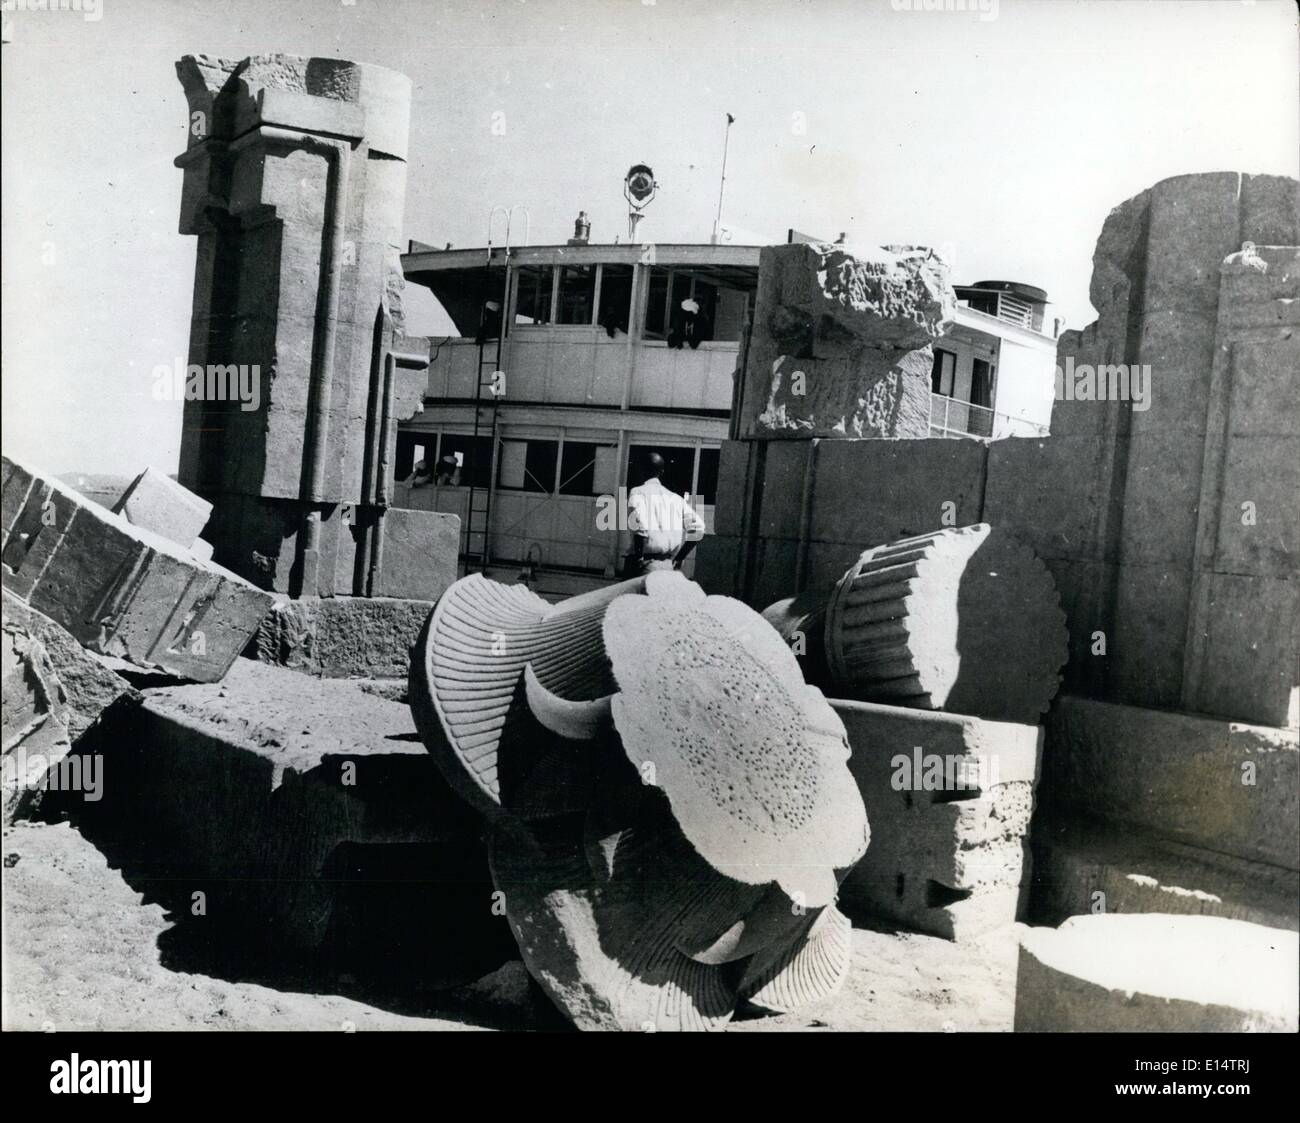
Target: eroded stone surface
(294, 184)
(841, 341)
(949, 799)
(341, 637)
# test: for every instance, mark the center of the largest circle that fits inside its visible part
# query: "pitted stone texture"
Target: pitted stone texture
(1157, 973)
(383, 95)
(949, 800)
(875, 394)
(158, 503)
(900, 300)
(752, 760)
(121, 590)
(841, 342)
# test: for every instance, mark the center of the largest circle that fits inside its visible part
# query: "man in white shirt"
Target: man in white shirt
(663, 525)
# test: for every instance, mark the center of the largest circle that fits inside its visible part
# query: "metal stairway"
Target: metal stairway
(489, 389)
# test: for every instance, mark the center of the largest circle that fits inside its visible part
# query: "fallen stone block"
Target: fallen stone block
(420, 555)
(1221, 785)
(966, 620)
(840, 346)
(121, 590)
(54, 690)
(84, 685)
(341, 637)
(1083, 867)
(1157, 974)
(158, 503)
(949, 800)
(307, 817)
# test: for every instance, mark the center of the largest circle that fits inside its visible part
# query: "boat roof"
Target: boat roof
(421, 258)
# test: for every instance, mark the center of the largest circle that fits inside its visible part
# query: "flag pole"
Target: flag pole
(722, 187)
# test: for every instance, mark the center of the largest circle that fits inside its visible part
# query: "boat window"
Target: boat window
(527, 466)
(986, 302)
(981, 383)
(679, 473)
(588, 469)
(474, 457)
(577, 294)
(707, 487)
(729, 315)
(941, 374)
(412, 448)
(533, 304)
(615, 298)
(656, 308)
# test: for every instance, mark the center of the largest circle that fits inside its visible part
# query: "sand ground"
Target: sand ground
(81, 952)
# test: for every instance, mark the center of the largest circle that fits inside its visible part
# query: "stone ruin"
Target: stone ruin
(841, 342)
(295, 186)
(964, 620)
(675, 790)
(1169, 770)
(670, 806)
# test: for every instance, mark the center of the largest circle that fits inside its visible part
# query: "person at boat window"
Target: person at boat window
(664, 526)
(421, 475)
(448, 471)
(613, 322)
(689, 327)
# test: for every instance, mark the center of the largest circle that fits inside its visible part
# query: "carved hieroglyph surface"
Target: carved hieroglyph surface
(672, 807)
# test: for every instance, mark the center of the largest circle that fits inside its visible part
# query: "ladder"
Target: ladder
(489, 389)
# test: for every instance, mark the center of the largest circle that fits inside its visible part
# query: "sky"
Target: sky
(1003, 135)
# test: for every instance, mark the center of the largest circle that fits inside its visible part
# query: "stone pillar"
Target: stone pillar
(294, 185)
(1185, 546)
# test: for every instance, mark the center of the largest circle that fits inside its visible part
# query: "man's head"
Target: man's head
(655, 466)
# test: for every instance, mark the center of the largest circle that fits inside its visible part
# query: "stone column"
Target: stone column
(295, 179)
